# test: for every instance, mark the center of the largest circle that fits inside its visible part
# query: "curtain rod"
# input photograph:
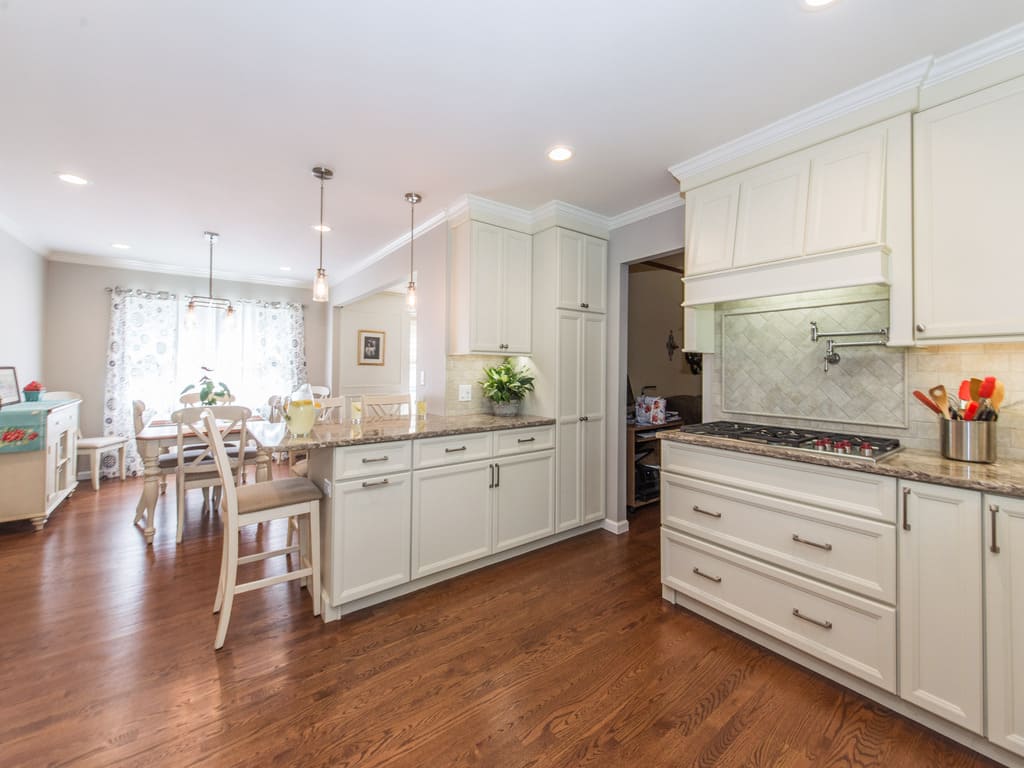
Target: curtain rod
(168, 295)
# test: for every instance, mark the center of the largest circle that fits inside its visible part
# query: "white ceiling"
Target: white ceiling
(189, 115)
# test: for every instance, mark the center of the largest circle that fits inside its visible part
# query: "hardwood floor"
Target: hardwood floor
(563, 657)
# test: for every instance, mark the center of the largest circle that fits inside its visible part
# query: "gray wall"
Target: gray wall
(653, 236)
(78, 322)
(21, 333)
(432, 307)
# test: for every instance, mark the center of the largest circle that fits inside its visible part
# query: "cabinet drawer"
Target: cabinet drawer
(374, 459)
(455, 449)
(850, 632)
(849, 552)
(513, 441)
(841, 490)
(60, 420)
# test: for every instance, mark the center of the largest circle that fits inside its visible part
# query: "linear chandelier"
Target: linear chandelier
(210, 301)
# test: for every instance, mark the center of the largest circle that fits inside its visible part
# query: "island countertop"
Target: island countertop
(275, 437)
(1003, 477)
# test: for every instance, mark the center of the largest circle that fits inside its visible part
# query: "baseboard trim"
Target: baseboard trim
(617, 527)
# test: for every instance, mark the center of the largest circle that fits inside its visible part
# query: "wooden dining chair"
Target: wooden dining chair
(320, 392)
(94, 447)
(386, 406)
(246, 505)
(195, 466)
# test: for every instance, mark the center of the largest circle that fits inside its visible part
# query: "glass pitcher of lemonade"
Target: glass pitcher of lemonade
(301, 412)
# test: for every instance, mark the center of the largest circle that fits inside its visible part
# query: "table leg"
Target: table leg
(150, 492)
(262, 465)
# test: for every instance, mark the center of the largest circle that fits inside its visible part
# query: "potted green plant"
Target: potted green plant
(506, 386)
(210, 392)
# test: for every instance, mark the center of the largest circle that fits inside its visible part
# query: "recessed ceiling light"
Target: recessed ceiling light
(120, 246)
(286, 269)
(815, 5)
(560, 153)
(321, 228)
(70, 178)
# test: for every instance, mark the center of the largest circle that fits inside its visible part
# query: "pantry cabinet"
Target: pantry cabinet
(968, 166)
(491, 290)
(581, 271)
(1004, 612)
(941, 598)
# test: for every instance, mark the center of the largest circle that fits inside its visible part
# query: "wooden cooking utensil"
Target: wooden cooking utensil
(927, 401)
(997, 395)
(975, 388)
(938, 394)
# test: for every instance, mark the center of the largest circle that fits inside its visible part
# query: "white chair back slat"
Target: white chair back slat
(386, 406)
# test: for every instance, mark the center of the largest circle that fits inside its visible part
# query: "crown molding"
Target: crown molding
(170, 269)
(33, 244)
(645, 211)
(395, 245)
(557, 213)
(481, 209)
(903, 81)
(1008, 42)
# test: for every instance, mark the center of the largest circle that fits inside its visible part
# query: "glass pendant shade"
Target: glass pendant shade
(320, 287)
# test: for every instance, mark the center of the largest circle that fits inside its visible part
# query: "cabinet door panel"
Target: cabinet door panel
(845, 201)
(451, 516)
(568, 479)
(968, 163)
(595, 267)
(370, 535)
(711, 213)
(524, 501)
(772, 213)
(485, 288)
(592, 383)
(940, 616)
(570, 269)
(517, 292)
(592, 448)
(1004, 611)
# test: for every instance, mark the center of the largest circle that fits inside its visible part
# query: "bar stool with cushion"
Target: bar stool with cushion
(94, 447)
(260, 503)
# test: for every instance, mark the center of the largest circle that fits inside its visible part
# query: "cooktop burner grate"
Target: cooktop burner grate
(839, 443)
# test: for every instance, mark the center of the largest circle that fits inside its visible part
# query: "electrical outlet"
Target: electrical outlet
(465, 393)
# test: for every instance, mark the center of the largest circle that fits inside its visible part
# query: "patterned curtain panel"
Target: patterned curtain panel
(141, 363)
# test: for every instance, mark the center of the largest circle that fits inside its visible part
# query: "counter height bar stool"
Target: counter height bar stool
(251, 504)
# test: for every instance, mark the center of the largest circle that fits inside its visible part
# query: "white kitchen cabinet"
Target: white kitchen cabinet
(844, 207)
(711, 216)
(940, 609)
(772, 212)
(451, 515)
(366, 534)
(491, 290)
(580, 417)
(968, 166)
(1004, 611)
(524, 499)
(581, 271)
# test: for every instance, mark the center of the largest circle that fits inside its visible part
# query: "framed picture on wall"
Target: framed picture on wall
(371, 347)
(9, 392)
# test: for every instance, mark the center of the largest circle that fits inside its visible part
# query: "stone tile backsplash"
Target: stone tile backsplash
(768, 371)
(467, 369)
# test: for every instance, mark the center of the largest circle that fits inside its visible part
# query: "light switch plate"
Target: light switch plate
(465, 393)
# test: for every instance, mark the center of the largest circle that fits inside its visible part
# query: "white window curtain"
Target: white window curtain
(156, 349)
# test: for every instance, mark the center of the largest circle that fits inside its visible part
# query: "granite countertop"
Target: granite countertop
(1003, 477)
(276, 436)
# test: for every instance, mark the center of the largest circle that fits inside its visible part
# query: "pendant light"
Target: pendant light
(320, 287)
(210, 301)
(410, 296)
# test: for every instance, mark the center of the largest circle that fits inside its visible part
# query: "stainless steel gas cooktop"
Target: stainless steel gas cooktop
(837, 443)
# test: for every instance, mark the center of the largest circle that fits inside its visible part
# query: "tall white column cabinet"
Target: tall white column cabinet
(569, 354)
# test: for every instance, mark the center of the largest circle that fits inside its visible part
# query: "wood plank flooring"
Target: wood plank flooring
(563, 657)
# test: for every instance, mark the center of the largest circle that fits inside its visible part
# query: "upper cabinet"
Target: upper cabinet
(711, 226)
(491, 290)
(772, 212)
(582, 264)
(968, 198)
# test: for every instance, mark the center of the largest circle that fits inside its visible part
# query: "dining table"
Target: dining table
(155, 437)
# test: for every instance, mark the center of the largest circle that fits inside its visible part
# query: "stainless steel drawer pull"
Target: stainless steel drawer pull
(492, 475)
(371, 461)
(705, 512)
(993, 510)
(375, 483)
(526, 439)
(822, 624)
(906, 501)
(454, 450)
(826, 547)
(699, 572)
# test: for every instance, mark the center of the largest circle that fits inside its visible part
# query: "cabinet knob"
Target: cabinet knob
(920, 328)
(584, 305)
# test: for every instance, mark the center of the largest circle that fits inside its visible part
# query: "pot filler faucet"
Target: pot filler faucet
(831, 356)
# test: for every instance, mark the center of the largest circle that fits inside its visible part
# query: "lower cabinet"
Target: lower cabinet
(367, 537)
(1004, 611)
(524, 499)
(940, 619)
(451, 516)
